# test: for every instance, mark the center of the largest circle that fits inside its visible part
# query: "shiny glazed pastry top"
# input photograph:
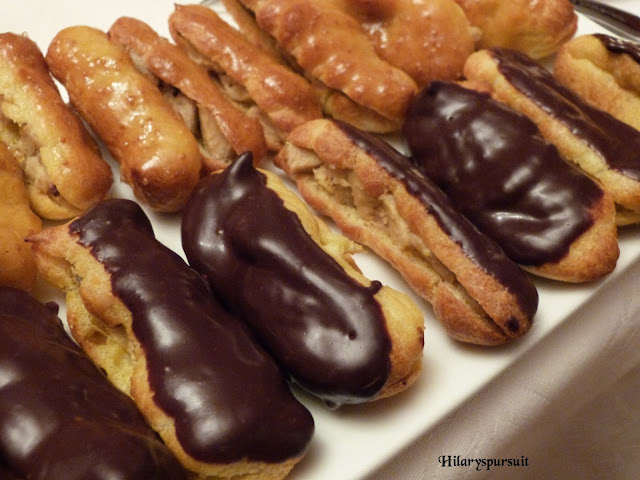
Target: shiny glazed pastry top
(158, 156)
(59, 416)
(501, 173)
(593, 64)
(328, 329)
(17, 266)
(215, 397)
(376, 198)
(601, 145)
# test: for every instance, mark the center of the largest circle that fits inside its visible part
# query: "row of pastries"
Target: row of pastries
(511, 172)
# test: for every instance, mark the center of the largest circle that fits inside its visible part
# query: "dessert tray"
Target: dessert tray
(353, 441)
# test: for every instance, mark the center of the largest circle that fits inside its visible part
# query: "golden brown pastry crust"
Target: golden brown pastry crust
(64, 171)
(284, 98)
(535, 27)
(610, 81)
(332, 49)
(371, 207)
(238, 133)
(158, 155)
(403, 319)
(482, 67)
(428, 39)
(17, 265)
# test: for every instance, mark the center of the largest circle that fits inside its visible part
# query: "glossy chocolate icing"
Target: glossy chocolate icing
(615, 45)
(60, 418)
(500, 172)
(324, 329)
(616, 142)
(477, 246)
(228, 398)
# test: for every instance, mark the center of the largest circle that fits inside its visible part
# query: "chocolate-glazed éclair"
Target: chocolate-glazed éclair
(616, 142)
(198, 376)
(378, 199)
(500, 172)
(326, 330)
(59, 415)
(480, 248)
(600, 144)
(227, 397)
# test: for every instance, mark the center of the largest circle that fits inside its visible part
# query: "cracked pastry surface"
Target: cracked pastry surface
(371, 192)
(158, 156)
(63, 169)
(222, 129)
(333, 51)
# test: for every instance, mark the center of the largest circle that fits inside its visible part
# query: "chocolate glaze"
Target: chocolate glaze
(60, 418)
(6, 474)
(615, 45)
(325, 330)
(616, 142)
(227, 396)
(477, 246)
(500, 172)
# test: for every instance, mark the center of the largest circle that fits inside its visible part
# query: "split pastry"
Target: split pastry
(59, 415)
(63, 169)
(428, 39)
(605, 71)
(276, 266)
(269, 90)
(223, 131)
(537, 28)
(602, 146)
(218, 401)
(333, 51)
(17, 266)
(547, 215)
(245, 21)
(396, 29)
(376, 198)
(158, 156)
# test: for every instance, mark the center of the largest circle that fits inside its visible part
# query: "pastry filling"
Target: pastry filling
(344, 188)
(28, 154)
